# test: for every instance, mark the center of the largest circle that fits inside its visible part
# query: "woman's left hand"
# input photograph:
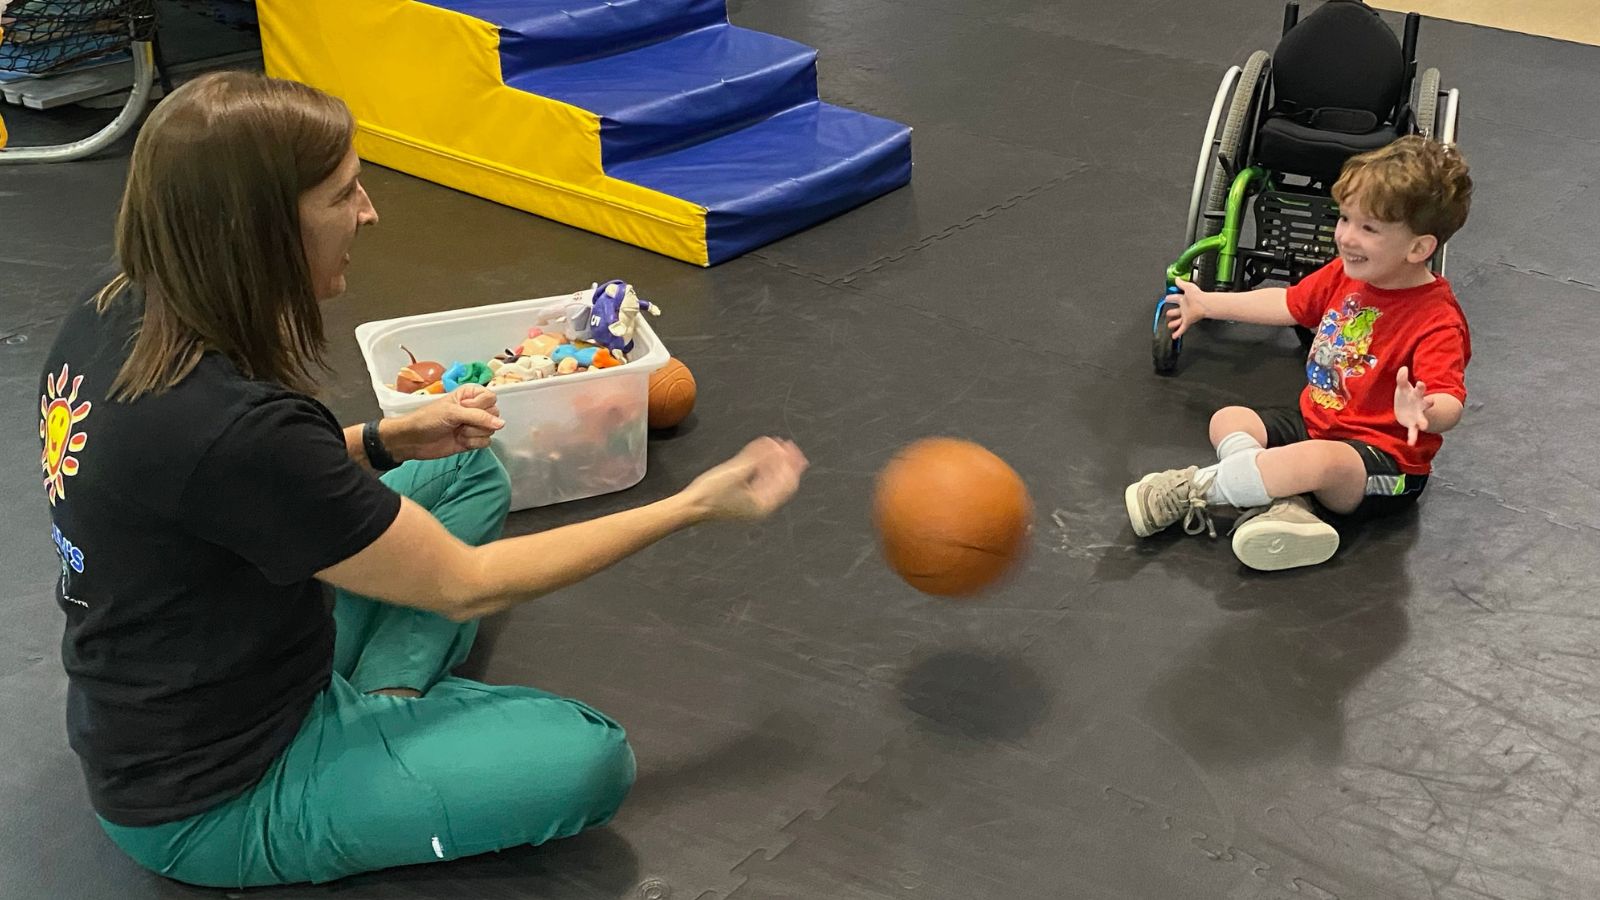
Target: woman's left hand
(462, 420)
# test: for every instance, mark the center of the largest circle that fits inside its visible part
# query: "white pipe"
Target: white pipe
(143, 75)
(1229, 78)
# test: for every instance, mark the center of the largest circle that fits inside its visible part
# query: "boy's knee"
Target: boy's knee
(1340, 457)
(1344, 480)
(1229, 419)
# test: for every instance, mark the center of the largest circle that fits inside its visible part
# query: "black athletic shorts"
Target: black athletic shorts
(1389, 490)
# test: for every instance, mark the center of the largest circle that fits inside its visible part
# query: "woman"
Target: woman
(233, 731)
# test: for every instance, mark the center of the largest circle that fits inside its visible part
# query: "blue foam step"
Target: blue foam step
(537, 33)
(689, 89)
(780, 175)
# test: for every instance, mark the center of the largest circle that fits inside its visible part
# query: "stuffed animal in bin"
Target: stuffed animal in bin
(614, 314)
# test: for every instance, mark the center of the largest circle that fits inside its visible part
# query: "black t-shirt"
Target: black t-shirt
(190, 526)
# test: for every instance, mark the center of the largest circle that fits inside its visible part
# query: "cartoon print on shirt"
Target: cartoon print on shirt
(58, 419)
(1339, 351)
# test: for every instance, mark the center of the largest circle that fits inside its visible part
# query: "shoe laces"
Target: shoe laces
(1246, 516)
(1184, 496)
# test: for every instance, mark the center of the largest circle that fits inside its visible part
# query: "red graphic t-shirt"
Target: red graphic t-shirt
(1363, 336)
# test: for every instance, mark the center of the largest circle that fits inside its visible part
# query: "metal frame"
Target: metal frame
(142, 27)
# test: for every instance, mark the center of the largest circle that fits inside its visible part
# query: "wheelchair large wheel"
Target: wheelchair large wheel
(1426, 104)
(1237, 130)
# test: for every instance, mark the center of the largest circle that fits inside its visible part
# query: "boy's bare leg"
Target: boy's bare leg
(1332, 470)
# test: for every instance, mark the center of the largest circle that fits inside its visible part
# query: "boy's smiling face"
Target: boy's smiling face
(1386, 255)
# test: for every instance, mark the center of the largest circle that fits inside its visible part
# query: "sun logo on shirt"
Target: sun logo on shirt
(58, 418)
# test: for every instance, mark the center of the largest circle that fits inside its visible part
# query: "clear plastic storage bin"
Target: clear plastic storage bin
(566, 437)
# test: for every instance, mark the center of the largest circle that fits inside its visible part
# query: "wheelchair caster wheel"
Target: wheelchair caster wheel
(1164, 348)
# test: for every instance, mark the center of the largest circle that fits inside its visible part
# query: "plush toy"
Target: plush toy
(614, 314)
(466, 373)
(593, 329)
(418, 375)
(575, 315)
(541, 345)
(527, 368)
(606, 359)
(584, 355)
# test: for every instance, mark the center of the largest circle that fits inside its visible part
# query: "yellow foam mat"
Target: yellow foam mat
(1567, 20)
(424, 84)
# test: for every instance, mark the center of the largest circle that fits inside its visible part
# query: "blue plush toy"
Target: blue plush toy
(584, 355)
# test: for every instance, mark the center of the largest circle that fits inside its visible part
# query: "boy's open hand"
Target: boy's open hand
(1411, 404)
(1190, 308)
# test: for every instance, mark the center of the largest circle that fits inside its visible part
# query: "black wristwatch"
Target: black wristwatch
(377, 454)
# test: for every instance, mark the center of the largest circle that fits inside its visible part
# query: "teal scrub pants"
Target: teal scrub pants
(374, 781)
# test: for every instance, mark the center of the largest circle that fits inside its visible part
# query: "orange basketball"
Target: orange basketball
(952, 518)
(672, 392)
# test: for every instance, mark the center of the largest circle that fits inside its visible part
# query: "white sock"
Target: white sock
(1236, 481)
(1235, 442)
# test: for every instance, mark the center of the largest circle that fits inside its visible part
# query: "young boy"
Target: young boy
(1384, 375)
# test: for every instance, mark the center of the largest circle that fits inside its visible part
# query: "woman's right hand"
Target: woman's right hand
(752, 485)
(1190, 308)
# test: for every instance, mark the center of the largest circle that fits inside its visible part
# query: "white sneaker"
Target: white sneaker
(1285, 535)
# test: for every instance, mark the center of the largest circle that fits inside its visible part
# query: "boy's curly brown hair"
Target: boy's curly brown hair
(1414, 180)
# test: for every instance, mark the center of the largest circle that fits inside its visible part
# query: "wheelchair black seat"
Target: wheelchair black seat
(1339, 83)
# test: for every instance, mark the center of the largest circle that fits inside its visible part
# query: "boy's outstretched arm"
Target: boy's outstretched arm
(1266, 306)
(1419, 410)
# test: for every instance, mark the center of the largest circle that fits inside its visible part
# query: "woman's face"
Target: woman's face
(330, 213)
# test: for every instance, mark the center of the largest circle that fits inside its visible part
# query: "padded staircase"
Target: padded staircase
(655, 122)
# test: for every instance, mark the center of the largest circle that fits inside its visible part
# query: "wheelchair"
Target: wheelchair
(1281, 129)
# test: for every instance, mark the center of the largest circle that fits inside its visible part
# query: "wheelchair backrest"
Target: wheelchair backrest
(1339, 69)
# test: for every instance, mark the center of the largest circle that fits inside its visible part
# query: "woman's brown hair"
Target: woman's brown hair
(209, 230)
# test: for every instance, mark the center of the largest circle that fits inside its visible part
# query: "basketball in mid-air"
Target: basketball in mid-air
(952, 518)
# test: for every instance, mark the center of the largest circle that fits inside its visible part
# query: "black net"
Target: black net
(47, 35)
